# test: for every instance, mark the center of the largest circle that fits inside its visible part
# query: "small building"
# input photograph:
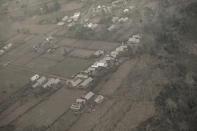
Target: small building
(8, 46)
(90, 71)
(114, 54)
(76, 16)
(40, 81)
(51, 82)
(115, 19)
(137, 36)
(125, 19)
(99, 99)
(71, 24)
(76, 107)
(112, 27)
(82, 76)
(99, 53)
(34, 78)
(2, 52)
(109, 59)
(101, 63)
(74, 83)
(121, 48)
(86, 82)
(91, 25)
(89, 95)
(65, 18)
(69, 20)
(80, 101)
(126, 10)
(60, 23)
(135, 39)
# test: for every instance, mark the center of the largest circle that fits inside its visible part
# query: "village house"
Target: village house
(99, 53)
(101, 63)
(126, 10)
(78, 104)
(112, 27)
(122, 20)
(60, 23)
(99, 99)
(89, 96)
(2, 52)
(91, 25)
(76, 107)
(86, 82)
(115, 19)
(76, 16)
(74, 82)
(114, 54)
(135, 39)
(51, 82)
(65, 18)
(82, 76)
(40, 81)
(34, 78)
(8, 46)
(90, 71)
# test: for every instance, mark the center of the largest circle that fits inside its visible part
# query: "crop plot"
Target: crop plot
(81, 53)
(11, 80)
(69, 66)
(41, 64)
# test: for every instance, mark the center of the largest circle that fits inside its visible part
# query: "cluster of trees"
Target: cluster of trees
(176, 106)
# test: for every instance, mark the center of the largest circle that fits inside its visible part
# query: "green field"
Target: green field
(70, 66)
(11, 80)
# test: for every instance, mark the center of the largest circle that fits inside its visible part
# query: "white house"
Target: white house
(74, 83)
(89, 95)
(99, 99)
(8, 46)
(86, 82)
(76, 16)
(1, 52)
(34, 78)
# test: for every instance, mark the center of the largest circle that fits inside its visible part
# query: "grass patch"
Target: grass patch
(70, 66)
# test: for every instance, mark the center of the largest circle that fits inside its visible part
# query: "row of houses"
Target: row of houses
(42, 81)
(70, 20)
(90, 97)
(5, 48)
(85, 78)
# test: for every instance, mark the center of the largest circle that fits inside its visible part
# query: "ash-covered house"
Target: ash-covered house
(74, 82)
(90, 71)
(86, 83)
(7, 47)
(88, 96)
(34, 78)
(81, 76)
(40, 82)
(2, 52)
(98, 53)
(118, 51)
(135, 39)
(99, 99)
(52, 82)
